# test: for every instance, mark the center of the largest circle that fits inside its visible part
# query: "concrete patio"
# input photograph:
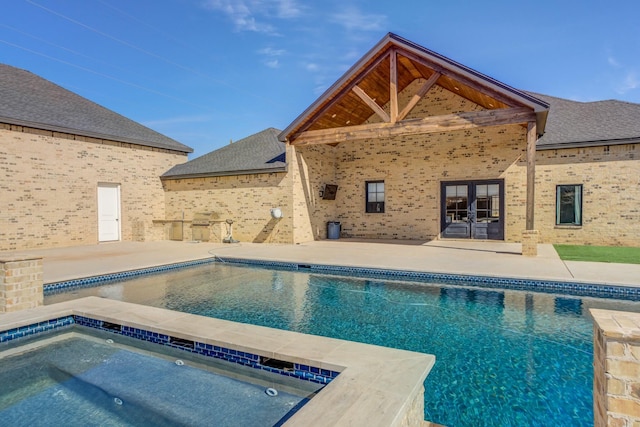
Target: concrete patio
(495, 259)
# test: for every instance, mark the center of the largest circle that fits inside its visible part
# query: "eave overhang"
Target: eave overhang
(225, 173)
(584, 144)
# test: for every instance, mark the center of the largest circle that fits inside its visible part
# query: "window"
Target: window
(457, 198)
(487, 202)
(375, 197)
(569, 205)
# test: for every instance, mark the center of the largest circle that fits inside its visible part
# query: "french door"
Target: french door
(473, 209)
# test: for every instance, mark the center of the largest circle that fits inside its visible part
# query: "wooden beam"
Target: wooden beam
(372, 104)
(532, 137)
(393, 86)
(422, 91)
(329, 102)
(462, 79)
(433, 124)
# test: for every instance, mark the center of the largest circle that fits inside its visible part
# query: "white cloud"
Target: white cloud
(311, 66)
(613, 62)
(353, 19)
(630, 82)
(623, 77)
(288, 9)
(253, 15)
(272, 56)
(269, 51)
(319, 89)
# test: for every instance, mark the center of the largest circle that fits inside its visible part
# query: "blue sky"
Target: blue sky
(205, 72)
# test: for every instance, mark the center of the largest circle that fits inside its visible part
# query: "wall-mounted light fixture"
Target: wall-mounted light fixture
(276, 213)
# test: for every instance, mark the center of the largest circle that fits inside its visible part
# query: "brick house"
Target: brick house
(407, 144)
(73, 172)
(421, 147)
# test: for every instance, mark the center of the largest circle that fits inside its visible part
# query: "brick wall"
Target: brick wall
(610, 176)
(413, 167)
(246, 199)
(48, 190)
(311, 168)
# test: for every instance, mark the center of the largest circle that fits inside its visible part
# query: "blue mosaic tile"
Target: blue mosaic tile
(25, 331)
(230, 355)
(52, 288)
(595, 290)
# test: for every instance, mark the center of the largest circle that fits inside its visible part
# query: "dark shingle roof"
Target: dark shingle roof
(29, 100)
(572, 123)
(259, 153)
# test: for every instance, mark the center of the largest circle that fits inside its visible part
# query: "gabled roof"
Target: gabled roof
(29, 100)
(581, 124)
(259, 153)
(368, 80)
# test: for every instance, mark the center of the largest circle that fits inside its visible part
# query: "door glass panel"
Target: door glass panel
(457, 200)
(487, 203)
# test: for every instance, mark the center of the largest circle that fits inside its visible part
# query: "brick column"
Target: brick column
(530, 242)
(616, 368)
(21, 285)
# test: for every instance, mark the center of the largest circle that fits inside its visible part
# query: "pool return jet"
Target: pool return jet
(229, 238)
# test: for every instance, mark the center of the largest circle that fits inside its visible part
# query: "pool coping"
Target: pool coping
(574, 288)
(377, 386)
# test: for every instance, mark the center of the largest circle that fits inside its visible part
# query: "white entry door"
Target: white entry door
(108, 212)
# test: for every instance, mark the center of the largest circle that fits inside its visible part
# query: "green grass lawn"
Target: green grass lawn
(598, 254)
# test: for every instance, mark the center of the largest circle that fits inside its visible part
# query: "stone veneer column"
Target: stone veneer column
(616, 368)
(21, 285)
(530, 242)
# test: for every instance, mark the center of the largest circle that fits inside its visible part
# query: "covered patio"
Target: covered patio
(395, 108)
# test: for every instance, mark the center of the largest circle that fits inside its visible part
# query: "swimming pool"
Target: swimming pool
(78, 376)
(503, 357)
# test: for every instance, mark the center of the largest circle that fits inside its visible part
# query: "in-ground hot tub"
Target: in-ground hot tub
(84, 376)
(365, 384)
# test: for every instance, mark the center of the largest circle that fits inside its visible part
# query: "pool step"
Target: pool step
(430, 424)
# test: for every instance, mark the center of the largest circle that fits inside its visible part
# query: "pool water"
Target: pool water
(74, 379)
(503, 358)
